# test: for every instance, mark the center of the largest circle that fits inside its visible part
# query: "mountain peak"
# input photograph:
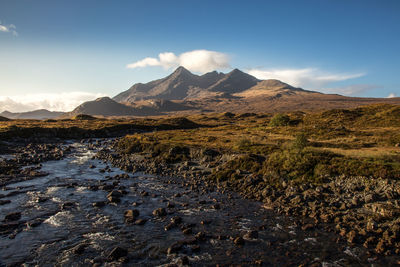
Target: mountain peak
(181, 70)
(104, 99)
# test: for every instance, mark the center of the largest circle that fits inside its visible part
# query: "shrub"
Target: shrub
(300, 165)
(279, 120)
(243, 144)
(300, 141)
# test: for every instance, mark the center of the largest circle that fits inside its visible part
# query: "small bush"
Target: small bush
(300, 141)
(279, 120)
(243, 144)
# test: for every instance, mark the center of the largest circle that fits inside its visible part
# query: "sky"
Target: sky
(57, 54)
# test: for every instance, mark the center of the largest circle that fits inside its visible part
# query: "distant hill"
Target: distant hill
(105, 106)
(4, 118)
(39, 114)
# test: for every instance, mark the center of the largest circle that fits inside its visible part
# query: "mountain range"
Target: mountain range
(183, 92)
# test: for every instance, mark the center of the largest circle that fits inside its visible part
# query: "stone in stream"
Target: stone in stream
(136, 204)
(107, 187)
(41, 199)
(114, 196)
(34, 223)
(159, 212)
(238, 241)
(170, 205)
(14, 216)
(79, 249)
(99, 204)
(131, 215)
(175, 247)
(183, 260)
(252, 234)
(117, 253)
(140, 221)
(216, 206)
(200, 236)
(67, 205)
(187, 231)
(176, 220)
(5, 201)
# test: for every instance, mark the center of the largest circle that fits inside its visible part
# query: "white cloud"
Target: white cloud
(54, 102)
(197, 60)
(351, 90)
(309, 78)
(391, 95)
(8, 28)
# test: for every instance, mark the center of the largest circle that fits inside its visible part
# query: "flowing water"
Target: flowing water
(72, 232)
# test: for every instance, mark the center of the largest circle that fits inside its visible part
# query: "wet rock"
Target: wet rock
(176, 220)
(107, 187)
(34, 223)
(253, 234)
(187, 231)
(183, 260)
(238, 241)
(67, 205)
(205, 222)
(41, 199)
(169, 226)
(307, 227)
(175, 247)
(114, 196)
(5, 201)
(216, 206)
(99, 204)
(79, 249)
(14, 216)
(136, 204)
(117, 253)
(140, 221)
(131, 214)
(200, 236)
(160, 212)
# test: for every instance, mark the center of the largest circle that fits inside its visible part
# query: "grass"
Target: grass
(314, 146)
(297, 145)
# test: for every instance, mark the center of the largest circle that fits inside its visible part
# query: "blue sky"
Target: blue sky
(55, 54)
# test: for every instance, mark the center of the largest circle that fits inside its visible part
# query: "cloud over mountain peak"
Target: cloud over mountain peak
(201, 61)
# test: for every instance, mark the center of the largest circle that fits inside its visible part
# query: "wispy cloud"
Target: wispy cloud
(197, 60)
(391, 95)
(55, 102)
(351, 90)
(309, 78)
(8, 28)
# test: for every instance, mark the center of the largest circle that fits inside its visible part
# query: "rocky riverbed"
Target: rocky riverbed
(84, 210)
(361, 211)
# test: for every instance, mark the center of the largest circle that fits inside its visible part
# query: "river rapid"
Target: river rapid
(66, 218)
